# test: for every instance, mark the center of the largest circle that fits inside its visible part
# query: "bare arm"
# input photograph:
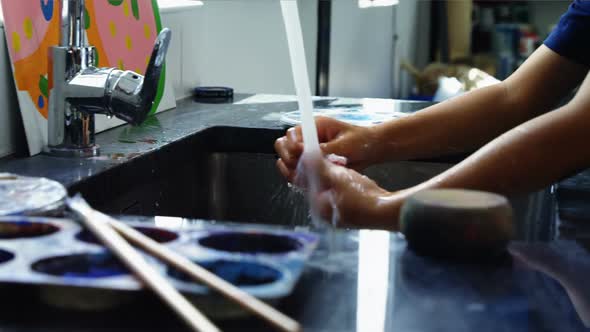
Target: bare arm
(466, 123)
(525, 158)
(530, 156)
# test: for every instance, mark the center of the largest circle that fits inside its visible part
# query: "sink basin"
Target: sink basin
(247, 187)
(217, 176)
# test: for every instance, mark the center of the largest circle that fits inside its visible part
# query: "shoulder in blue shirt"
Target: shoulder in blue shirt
(571, 36)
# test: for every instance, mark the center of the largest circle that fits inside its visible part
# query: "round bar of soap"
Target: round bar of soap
(457, 224)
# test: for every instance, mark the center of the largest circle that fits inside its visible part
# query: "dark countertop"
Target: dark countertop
(369, 281)
(365, 281)
(122, 144)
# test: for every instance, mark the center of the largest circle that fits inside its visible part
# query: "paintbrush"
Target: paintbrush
(98, 224)
(204, 276)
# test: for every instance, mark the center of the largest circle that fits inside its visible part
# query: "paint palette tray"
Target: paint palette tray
(73, 270)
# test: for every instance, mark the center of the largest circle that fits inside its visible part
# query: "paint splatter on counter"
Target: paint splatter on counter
(148, 140)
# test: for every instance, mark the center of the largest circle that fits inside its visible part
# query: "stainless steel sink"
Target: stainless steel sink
(229, 174)
(246, 187)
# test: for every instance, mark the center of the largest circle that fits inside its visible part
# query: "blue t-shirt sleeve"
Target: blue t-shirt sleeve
(571, 36)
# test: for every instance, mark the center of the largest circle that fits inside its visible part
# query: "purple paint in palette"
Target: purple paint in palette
(99, 265)
(250, 242)
(25, 229)
(157, 234)
(57, 256)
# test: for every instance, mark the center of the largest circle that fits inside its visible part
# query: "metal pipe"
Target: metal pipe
(323, 48)
(72, 23)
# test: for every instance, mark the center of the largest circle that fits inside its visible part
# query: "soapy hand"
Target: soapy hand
(347, 198)
(337, 138)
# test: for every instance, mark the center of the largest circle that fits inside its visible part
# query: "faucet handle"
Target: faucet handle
(133, 95)
(154, 69)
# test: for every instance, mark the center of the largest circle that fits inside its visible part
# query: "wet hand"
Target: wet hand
(354, 143)
(347, 198)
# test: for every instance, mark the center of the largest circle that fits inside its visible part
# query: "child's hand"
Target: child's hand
(336, 137)
(347, 198)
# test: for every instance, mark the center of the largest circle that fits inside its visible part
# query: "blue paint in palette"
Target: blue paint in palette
(239, 273)
(5, 256)
(89, 266)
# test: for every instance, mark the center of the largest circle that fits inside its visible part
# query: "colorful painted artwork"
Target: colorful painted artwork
(122, 31)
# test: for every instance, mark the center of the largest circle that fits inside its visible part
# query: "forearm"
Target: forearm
(466, 123)
(529, 157)
(462, 124)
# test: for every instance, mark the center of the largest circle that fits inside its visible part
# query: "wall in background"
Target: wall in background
(242, 44)
(361, 50)
(545, 13)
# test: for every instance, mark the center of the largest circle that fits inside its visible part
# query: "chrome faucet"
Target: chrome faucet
(80, 90)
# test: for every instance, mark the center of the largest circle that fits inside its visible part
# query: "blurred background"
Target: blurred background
(402, 49)
(356, 48)
(405, 49)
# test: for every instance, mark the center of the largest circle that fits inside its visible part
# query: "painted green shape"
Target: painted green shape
(116, 2)
(96, 58)
(135, 9)
(162, 81)
(44, 86)
(86, 19)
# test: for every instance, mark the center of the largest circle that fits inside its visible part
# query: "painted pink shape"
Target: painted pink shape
(126, 26)
(15, 13)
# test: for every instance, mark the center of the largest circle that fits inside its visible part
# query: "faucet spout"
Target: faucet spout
(72, 22)
(80, 90)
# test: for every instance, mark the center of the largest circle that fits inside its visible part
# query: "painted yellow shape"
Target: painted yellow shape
(16, 41)
(147, 31)
(28, 27)
(113, 28)
(120, 63)
(147, 60)
(126, 8)
(128, 42)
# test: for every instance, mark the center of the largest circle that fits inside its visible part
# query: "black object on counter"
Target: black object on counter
(457, 224)
(213, 94)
